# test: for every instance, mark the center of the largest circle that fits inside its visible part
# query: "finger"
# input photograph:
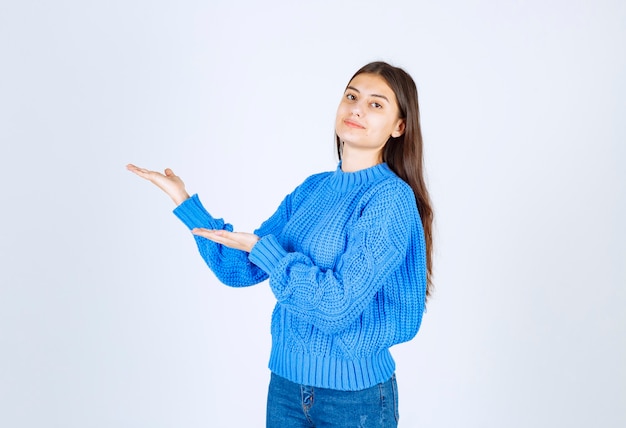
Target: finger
(201, 232)
(169, 172)
(136, 169)
(208, 233)
(219, 236)
(144, 173)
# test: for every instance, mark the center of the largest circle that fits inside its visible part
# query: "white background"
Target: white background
(108, 316)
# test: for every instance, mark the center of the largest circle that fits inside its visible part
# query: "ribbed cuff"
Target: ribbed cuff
(193, 214)
(267, 253)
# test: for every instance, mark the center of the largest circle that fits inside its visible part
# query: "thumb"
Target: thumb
(169, 172)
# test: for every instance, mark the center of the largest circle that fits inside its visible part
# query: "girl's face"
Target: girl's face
(368, 114)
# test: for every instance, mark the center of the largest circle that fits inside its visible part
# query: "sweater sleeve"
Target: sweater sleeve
(377, 244)
(231, 266)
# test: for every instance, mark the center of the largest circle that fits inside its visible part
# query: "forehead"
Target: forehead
(369, 84)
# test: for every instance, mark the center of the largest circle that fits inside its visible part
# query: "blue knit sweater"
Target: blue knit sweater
(346, 260)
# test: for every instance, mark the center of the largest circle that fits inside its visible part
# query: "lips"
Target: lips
(352, 124)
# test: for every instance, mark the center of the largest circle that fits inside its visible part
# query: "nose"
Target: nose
(356, 110)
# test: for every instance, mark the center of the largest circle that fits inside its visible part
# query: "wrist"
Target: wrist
(179, 199)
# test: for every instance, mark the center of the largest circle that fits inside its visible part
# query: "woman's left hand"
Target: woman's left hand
(236, 240)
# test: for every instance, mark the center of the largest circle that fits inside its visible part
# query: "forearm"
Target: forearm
(231, 266)
(330, 299)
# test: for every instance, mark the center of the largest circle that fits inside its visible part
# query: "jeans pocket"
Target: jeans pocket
(394, 387)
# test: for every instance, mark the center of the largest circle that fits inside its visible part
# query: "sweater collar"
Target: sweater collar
(344, 181)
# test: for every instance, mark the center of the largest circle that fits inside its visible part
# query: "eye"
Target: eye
(350, 97)
(376, 105)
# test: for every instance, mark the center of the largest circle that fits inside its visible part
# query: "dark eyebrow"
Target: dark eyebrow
(371, 95)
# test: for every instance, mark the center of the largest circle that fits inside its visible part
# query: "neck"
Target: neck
(356, 160)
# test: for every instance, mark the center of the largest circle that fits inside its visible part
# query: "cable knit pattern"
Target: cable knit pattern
(346, 260)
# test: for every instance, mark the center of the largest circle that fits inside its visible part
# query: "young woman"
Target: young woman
(348, 258)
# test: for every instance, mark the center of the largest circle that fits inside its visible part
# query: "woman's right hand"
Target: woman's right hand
(168, 182)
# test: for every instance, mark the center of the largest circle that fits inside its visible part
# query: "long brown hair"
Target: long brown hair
(404, 154)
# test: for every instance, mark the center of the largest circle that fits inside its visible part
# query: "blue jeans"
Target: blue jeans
(290, 405)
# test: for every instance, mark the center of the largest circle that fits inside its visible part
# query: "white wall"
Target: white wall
(109, 318)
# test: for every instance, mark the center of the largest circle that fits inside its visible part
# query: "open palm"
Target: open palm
(169, 182)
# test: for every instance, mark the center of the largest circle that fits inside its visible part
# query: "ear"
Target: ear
(399, 129)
